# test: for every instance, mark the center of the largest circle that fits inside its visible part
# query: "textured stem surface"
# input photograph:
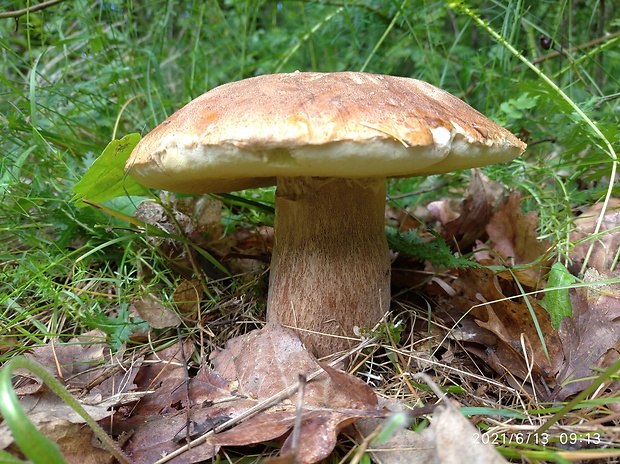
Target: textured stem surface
(330, 268)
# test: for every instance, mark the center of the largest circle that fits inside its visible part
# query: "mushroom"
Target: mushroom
(328, 141)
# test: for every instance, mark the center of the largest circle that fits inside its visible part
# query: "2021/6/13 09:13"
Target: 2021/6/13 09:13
(543, 439)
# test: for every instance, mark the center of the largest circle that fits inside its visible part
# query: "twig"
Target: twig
(607, 99)
(590, 44)
(30, 9)
(188, 419)
(300, 404)
(418, 192)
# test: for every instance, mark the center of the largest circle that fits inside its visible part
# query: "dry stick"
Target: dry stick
(300, 404)
(260, 407)
(592, 43)
(31, 9)
(188, 419)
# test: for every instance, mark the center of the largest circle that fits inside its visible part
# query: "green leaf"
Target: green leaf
(398, 420)
(106, 178)
(469, 411)
(120, 328)
(557, 301)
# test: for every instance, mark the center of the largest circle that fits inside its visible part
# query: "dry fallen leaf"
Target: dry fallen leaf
(251, 369)
(45, 407)
(187, 297)
(591, 333)
(87, 369)
(77, 443)
(498, 308)
(505, 335)
(402, 446)
(606, 243)
(476, 210)
(151, 310)
(457, 441)
(512, 236)
(450, 439)
(85, 365)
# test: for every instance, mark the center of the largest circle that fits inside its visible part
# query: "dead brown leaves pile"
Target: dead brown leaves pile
(591, 338)
(101, 381)
(236, 397)
(512, 331)
(251, 369)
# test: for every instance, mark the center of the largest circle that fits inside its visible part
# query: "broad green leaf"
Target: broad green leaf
(106, 178)
(557, 301)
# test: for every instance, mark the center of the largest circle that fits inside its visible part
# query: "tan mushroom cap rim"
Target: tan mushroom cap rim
(246, 133)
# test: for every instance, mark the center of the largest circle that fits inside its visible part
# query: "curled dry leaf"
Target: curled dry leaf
(203, 212)
(476, 210)
(498, 308)
(194, 214)
(450, 439)
(188, 296)
(458, 441)
(151, 310)
(506, 336)
(195, 217)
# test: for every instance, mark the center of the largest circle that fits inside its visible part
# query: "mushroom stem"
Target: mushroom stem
(330, 268)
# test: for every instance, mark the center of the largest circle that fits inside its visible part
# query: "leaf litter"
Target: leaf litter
(511, 322)
(250, 370)
(102, 381)
(493, 310)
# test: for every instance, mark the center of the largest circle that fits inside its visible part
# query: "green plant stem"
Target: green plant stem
(393, 22)
(530, 308)
(460, 6)
(33, 443)
(306, 37)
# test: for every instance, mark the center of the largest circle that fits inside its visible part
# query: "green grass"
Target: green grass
(78, 74)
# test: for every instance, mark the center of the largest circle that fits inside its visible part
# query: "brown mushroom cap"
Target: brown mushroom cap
(350, 125)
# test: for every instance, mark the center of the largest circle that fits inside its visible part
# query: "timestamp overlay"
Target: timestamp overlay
(539, 439)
